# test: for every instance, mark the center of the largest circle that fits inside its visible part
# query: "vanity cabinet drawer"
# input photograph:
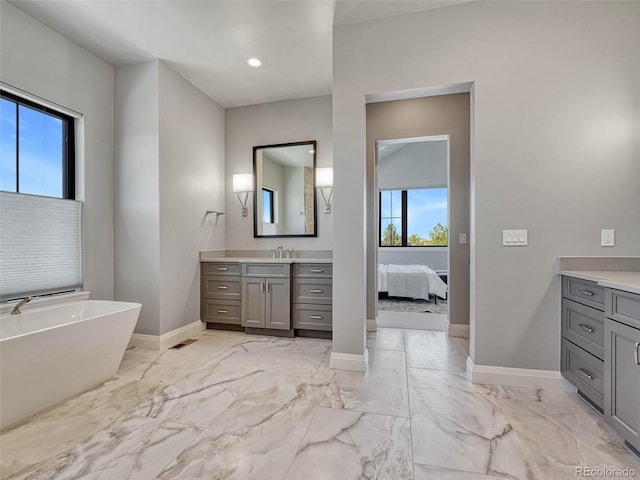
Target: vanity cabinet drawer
(583, 291)
(583, 326)
(315, 270)
(585, 371)
(221, 311)
(216, 268)
(311, 317)
(312, 290)
(224, 288)
(266, 270)
(623, 307)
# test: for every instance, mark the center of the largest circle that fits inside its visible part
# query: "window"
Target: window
(267, 206)
(36, 149)
(414, 218)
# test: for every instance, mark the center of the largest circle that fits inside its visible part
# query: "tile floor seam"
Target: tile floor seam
(406, 372)
(302, 437)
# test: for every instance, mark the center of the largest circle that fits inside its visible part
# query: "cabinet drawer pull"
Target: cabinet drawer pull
(585, 327)
(223, 287)
(262, 286)
(316, 290)
(586, 292)
(223, 269)
(316, 270)
(585, 373)
(267, 285)
(636, 354)
(316, 317)
(223, 311)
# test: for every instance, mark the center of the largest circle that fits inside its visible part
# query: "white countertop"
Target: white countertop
(620, 280)
(265, 260)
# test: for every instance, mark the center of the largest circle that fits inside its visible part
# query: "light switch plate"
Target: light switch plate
(515, 238)
(462, 238)
(608, 238)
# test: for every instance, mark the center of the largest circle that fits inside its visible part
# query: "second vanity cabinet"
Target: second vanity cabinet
(266, 296)
(583, 337)
(622, 375)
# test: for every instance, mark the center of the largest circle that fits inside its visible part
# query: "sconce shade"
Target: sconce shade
(242, 182)
(324, 177)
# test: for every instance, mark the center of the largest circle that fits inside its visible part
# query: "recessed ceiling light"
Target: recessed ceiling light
(254, 62)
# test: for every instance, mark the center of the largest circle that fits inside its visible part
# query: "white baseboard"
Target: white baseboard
(458, 330)
(349, 361)
(166, 340)
(516, 377)
(372, 325)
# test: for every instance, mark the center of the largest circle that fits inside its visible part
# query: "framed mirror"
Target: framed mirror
(284, 200)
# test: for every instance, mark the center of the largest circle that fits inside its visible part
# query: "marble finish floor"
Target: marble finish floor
(235, 406)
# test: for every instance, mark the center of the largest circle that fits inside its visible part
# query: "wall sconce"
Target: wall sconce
(243, 184)
(324, 180)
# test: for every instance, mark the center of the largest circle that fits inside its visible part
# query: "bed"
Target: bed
(412, 281)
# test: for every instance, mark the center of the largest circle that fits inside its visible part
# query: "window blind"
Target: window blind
(40, 245)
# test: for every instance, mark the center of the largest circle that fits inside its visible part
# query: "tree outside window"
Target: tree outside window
(416, 217)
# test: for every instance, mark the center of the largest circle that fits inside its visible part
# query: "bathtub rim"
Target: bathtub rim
(125, 306)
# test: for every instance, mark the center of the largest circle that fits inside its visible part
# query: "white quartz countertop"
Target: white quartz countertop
(265, 260)
(620, 280)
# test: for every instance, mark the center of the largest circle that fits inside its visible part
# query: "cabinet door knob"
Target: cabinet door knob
(586, 292)
(223, 287)
(585, 327)
(636, 354)
(585, 373)
(316, 290)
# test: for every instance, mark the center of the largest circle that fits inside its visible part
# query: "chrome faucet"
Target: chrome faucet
(16, 309)
(277, 252)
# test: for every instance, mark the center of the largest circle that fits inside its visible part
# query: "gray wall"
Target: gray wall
(192, 174)
(137, 191)
(420, 117)
(269, 124)
(43, 62)
(169, 171)
(556, 104)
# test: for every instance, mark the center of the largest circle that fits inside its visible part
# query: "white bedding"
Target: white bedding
(412, 281)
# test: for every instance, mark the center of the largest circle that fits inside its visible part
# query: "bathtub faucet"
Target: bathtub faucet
(16, 309)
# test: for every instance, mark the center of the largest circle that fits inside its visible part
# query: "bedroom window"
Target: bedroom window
(36, 149)
(414, 218)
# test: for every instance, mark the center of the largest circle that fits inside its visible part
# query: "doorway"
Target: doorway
(413, 219)
(444, 118)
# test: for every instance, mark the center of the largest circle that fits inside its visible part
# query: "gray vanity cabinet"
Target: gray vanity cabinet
(266, 296)
(311, 307)
(220, 294)
(622, 374)
(582, 355)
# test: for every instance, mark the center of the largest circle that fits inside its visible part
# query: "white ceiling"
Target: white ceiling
(209, 41)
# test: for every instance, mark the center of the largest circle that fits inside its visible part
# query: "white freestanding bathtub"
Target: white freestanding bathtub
(51, 353)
